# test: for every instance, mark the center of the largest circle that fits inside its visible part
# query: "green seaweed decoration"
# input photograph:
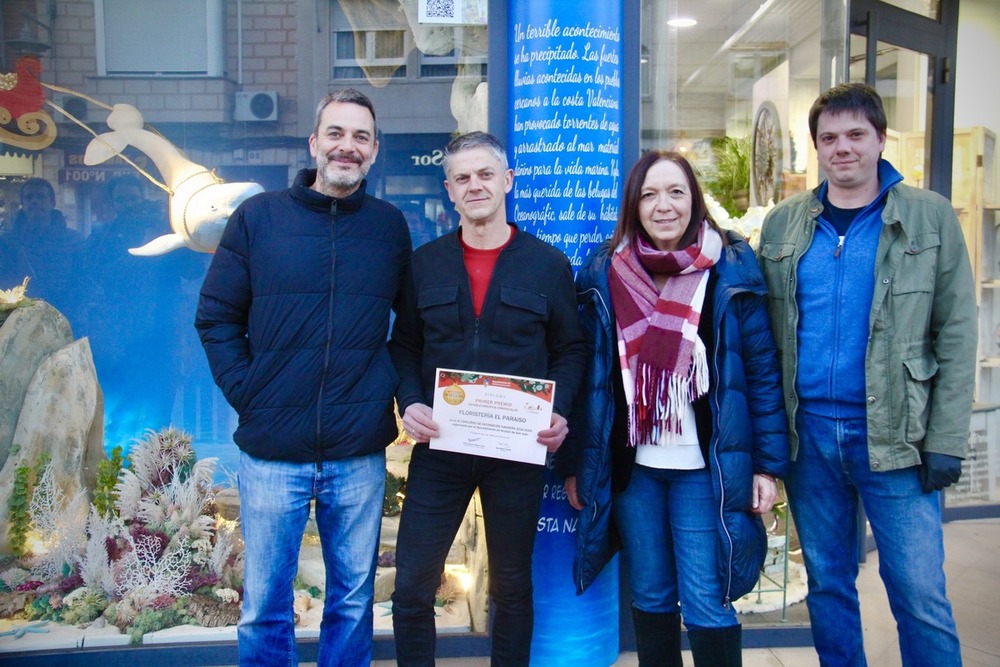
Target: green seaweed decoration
(108, 471)
(40, 465)
(19, 506)
(41, 609)
(153, 620)
(18, 514)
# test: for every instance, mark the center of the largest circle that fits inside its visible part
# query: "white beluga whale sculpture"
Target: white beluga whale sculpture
(200, 202)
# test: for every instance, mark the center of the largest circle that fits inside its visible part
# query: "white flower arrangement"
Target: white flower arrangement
(748, 225)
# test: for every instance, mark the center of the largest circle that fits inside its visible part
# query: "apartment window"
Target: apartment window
(381, 54)
(152, 37)
(371, 41)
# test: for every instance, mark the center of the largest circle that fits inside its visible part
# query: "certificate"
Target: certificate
(492, 415)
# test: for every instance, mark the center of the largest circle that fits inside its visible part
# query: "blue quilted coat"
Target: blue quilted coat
(749, 432)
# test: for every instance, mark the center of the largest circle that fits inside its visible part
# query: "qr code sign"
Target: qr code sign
(441, 9)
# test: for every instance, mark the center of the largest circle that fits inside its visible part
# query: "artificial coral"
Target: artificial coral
(140, 559)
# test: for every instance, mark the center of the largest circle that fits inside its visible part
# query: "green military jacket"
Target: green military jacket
(920, 362)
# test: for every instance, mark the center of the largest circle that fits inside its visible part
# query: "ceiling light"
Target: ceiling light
(681, 23)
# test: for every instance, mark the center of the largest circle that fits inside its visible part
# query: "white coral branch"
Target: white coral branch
(167, 450)
(190, 498)
(61, 527)
(175, 507)
(143, 575)
(71, 535)
(95, 565)
(129, 494)
(163, 527)
(46, 502)
(225, 539)
(152, 509)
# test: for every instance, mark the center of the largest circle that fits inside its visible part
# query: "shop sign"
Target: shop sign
(76, 170)
(428, 159)
(90, 175)
(413, 154)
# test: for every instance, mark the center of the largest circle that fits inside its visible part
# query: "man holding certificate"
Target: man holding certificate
(487, 334)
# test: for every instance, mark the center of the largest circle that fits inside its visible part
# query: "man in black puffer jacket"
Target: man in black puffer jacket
(294, 315)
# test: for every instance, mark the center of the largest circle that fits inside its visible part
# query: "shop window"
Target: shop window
(645, 88)
(461, 60)
(150, 37)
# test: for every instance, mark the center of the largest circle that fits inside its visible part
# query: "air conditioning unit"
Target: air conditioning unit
(256, 106)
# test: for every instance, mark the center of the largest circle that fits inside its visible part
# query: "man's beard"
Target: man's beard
(331, 176)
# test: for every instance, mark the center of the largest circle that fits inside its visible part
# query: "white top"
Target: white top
(676, 451)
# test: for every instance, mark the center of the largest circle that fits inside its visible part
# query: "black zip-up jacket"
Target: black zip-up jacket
(294, 316)
(528, 326)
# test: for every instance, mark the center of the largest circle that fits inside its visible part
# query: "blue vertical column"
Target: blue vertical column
(564, 140)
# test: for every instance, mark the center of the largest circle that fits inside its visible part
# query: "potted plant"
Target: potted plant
(729, 181)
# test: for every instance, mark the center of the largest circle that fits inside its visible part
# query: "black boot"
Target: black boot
(657, 639)
(716, 647)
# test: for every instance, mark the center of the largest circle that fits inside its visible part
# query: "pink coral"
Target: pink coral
(162, 601)
(28, 586)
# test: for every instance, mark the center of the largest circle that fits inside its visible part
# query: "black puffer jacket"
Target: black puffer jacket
(294, 315)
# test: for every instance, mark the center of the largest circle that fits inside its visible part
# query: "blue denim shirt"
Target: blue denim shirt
(836, 296)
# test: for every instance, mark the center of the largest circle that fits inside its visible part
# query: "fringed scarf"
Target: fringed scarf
(664, 363)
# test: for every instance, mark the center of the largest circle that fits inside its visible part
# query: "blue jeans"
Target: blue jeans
(438, 490)
(829, 476)
(274, 507)
(667, 523)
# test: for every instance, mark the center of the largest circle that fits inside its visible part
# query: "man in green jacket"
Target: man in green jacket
(870, 286)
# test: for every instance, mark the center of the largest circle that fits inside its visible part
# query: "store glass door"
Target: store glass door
(909, 57)
(907, 51)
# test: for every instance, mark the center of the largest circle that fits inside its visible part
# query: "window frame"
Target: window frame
(215, 42)
(398, 62)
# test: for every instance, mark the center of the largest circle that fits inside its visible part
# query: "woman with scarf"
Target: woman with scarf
(679, 432)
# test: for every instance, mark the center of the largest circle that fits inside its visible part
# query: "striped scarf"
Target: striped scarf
(664, 362)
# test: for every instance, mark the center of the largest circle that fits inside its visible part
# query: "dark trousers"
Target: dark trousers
(438, 490)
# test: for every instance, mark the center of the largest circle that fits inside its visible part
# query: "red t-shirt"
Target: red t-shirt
(479, 265)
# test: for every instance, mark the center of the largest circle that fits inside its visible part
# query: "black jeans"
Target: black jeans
(438, 490)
